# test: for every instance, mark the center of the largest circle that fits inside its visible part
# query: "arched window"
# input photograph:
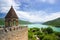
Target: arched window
(14, 23)
(10, 23)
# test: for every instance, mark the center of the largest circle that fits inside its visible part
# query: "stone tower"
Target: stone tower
(11, 18)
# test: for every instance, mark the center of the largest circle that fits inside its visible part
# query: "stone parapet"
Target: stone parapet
(14, 33)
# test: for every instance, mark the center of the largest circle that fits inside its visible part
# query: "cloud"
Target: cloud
(40, 17)
(6, 4)
(29, 16)
(27, 5)
(37, 5)
(49, 1)
(52, 16)
(37, 15)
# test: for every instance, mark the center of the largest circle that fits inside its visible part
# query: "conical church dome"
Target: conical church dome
(11, 13)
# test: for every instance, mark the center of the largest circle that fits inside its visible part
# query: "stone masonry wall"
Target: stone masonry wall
(15, 33)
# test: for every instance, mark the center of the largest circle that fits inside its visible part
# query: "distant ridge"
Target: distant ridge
(55, 22)
(24, 22)
(20, 21)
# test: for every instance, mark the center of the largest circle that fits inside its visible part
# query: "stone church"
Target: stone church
(12, 31)
(11, 18)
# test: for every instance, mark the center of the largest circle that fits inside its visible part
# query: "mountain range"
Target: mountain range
(55, 22)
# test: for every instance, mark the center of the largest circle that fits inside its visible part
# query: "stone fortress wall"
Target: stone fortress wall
(14, 33)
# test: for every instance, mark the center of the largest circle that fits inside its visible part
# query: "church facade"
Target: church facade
(11, 18)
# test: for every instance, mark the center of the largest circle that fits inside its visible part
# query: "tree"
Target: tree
(48, 30)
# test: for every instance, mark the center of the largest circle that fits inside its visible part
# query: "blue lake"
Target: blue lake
(57, 29)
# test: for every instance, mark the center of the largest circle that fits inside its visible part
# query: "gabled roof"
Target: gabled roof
(11, 13)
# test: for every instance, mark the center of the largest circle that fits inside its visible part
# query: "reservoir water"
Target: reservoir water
(57, 29)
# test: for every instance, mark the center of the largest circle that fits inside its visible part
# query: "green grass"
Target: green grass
(2, 21)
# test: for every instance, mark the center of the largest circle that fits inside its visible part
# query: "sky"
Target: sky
(32, 10)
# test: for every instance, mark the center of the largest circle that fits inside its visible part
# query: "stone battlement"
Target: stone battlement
(14, 33)
(11, 29)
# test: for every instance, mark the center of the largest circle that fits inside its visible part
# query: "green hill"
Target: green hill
(55, 22)
(20, 22)
(1, 21)
(24, 22)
